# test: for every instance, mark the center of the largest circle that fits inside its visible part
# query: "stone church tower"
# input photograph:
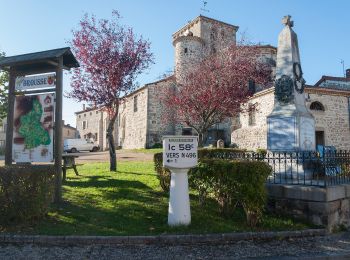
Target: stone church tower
(196, 40)
(140, 123)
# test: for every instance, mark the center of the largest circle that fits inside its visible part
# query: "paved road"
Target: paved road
(122, 155)
(329, 247)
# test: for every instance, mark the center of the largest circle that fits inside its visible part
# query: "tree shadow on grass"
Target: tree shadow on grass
(96, 182)
(71, 218)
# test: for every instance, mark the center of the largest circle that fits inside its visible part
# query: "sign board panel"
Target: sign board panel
(36, 82)
(281, 133)
(180, 151)
(33, 128)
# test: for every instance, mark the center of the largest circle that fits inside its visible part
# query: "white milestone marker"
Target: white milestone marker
(179, 155)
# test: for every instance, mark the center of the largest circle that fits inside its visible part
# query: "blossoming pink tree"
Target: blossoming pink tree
(216, 89)
(111, 56)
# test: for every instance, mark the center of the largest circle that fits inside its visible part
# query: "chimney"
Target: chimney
(347, 74)
(83, 107)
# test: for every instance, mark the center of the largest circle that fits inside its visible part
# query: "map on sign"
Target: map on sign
(180, 151)
(33, 128)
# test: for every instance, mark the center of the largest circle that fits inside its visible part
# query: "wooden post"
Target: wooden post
(58, 131)
(10, 117)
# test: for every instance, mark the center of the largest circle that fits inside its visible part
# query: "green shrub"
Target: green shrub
(25, 192)
(261, 153)
(157, 145)
(163, 174)
(231, 183)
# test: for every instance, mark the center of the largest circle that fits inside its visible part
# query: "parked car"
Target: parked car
(77, 145)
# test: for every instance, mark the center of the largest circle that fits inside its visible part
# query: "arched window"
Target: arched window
(316, 106)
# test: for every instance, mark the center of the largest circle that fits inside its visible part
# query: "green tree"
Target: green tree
(4, 81)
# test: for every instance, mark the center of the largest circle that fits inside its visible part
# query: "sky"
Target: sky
(322, 27)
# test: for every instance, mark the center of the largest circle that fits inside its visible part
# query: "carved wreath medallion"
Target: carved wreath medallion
(284, 89)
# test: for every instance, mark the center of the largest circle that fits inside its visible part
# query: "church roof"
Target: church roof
(204, 18)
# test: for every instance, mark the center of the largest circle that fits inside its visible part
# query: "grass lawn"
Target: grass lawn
(130, 202)
(144, 150)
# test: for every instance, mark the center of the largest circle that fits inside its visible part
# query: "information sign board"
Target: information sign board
(36, 82)
(33, 128)
(180, 151)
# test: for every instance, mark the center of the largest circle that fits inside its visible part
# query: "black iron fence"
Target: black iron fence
(309, 168)
(325, 168)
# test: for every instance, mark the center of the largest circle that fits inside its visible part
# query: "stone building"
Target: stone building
(140, 123)
(91, 123)
(69, 132)
(328, 101)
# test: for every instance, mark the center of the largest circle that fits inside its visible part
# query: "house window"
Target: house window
(251, 115)
(79, 116)
(135, 104)
(84, 124)
(96, 112)
(84, 115)
(236, 122)
(316, 106)
(185, 50)
(90, 113)
(96, 136)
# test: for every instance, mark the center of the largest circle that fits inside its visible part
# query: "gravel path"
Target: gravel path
(328, 247)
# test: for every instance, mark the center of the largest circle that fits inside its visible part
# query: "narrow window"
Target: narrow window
(185, 50)
(251, 115)
(84, 124)
(135, 104)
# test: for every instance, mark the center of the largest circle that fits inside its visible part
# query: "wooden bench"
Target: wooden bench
(69, 163)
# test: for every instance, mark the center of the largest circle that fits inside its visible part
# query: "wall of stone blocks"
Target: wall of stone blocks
(328, 206)
(334, 121)
(253, 136)
(96, 123)
(132, 125)
(158, 124)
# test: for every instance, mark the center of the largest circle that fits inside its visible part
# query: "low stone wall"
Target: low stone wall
(328, 206)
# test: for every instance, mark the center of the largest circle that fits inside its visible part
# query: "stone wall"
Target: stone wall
(96, 123)
(157, 122)
(328, 206)
(132, 120)
(334, 121)
(253, 136)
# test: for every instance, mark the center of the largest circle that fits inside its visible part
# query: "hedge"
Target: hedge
(163, 174)
(25, 192)
(233, 183)
(230, 182)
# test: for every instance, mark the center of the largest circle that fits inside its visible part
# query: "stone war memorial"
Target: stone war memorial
(308, 182)
(291, 127)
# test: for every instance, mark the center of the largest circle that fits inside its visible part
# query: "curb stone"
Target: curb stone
(159, 239)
